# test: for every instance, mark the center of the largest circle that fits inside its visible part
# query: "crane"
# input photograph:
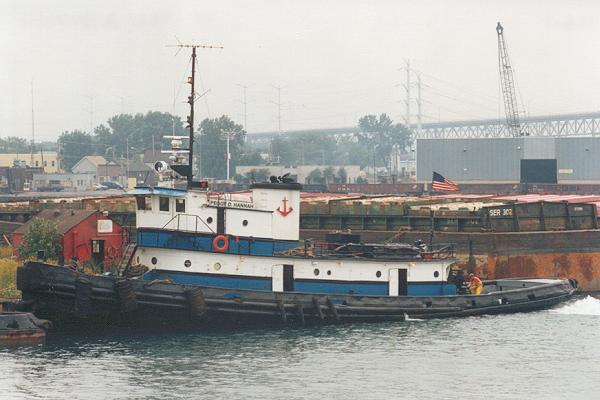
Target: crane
(508, 86)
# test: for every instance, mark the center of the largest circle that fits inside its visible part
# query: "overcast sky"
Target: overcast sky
(336, 60)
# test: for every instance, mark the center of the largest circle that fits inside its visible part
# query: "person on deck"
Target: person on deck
(475, 284)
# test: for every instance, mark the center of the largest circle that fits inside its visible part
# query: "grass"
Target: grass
(8, 274)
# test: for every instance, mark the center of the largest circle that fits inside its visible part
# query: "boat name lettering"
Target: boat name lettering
(230, 204)
(500, 212)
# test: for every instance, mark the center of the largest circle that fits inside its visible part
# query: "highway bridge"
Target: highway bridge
(579, 124)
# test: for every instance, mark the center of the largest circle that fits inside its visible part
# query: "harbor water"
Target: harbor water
(551, 354)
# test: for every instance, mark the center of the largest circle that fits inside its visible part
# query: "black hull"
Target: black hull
(67, 297)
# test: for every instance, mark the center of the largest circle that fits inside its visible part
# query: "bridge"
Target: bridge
(579, 124)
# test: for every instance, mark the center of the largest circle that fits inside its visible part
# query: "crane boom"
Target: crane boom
(508, 86)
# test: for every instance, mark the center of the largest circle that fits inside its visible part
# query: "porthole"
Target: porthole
(187, 263)
(209, 220)
(316, 271)
(245, 222)
(154, 260)
(436, 274)
(378, 274)
(217, 266)
(328, 272)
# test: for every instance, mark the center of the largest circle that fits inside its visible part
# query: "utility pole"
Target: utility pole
(245, 103)
(278, 104)
(407, 89)
(32, 129)
(127, 164)
(419, 121)
(191, 99)
(91, 114)
(228, 136)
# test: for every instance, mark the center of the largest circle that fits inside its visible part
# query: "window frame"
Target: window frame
(161, 203)
(179, 204)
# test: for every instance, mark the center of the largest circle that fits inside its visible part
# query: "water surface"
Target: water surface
(543, 355)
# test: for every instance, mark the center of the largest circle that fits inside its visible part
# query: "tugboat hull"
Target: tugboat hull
(59, 293)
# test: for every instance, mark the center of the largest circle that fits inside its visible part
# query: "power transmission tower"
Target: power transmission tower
(188, 172)
(419, 107)
(407, 90)
(507, 83)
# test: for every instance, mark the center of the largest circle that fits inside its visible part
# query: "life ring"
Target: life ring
(220, 248)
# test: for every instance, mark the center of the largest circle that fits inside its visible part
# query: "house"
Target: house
(88, 165)
(17, 179)
(63, 182)
(46, 159)
(89, 235)
(112, 172)
(142, 173)
(129, 175)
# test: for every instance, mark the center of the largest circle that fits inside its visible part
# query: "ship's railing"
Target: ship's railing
(194, 217)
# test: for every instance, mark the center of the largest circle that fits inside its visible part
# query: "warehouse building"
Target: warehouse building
(563, 160)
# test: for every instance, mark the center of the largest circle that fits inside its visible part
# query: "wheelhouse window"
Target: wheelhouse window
(163, 203)
(180, 205)
(144, 203)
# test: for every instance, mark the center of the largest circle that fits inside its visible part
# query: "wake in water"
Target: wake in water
(587, 306)
(407, 318)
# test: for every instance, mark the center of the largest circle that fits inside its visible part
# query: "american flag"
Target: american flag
(441, 184)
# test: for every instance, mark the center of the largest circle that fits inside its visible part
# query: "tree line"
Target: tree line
(374, 144)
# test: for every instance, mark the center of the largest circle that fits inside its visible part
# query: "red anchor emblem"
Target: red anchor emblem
(285, 210)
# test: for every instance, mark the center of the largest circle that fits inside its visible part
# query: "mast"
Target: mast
(191, 119)
(188, 170)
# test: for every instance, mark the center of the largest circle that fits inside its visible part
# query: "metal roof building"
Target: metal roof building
(511, 160)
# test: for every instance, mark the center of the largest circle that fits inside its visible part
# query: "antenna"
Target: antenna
(32, 129)
(188, 170)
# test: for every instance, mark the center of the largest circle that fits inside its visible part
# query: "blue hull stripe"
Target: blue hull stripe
(203, 242)
(301, 286)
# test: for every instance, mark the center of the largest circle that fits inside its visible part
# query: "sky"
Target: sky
(334, 61)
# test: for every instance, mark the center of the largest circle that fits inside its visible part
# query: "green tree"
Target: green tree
(329, 174)
(250, 157)
(257, 175)
(73, 147)
(342, 175)
(381, 135)
(13, 144)
(315, 176)
(139, 131)
(212, 146)
(41, 234)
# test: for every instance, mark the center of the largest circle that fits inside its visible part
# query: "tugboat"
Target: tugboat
(236, 257)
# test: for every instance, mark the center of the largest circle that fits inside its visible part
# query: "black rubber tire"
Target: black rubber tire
(83, 297)
(126, 294)
(196, 304)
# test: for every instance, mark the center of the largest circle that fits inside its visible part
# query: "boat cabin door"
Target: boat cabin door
(398, 282)
(283, 278)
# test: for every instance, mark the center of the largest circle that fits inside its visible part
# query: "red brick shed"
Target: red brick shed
(88, 235)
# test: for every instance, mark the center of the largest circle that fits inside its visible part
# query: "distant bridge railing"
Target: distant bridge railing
(579, 124)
